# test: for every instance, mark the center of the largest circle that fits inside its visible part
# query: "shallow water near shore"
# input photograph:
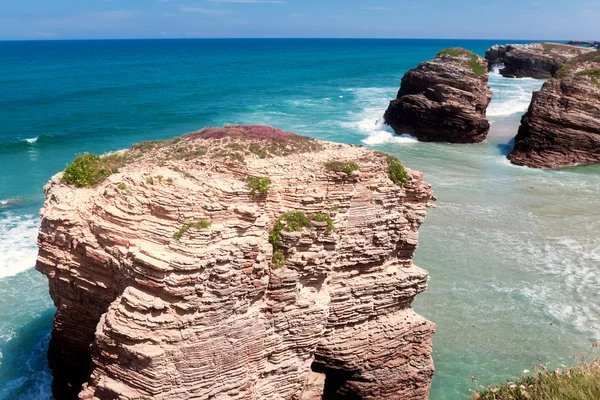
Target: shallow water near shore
(513, 253)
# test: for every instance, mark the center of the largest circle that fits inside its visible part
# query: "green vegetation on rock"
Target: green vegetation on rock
(347, 167)
(476, 67)
(202, 224)
(294, 221)
(88, 170)
(594, 74)
(396, 171)
(259, 185)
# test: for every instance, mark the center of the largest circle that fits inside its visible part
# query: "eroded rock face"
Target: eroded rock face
(562, 126)
(142, 315)
(533, 60)
(443, 100)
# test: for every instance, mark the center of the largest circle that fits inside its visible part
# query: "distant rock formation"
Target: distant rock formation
(585, 43)
(533, 60)
(562, 126)
(443, 100)
(240, 262)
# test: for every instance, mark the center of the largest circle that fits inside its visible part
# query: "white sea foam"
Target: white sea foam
(368, 120)
(511, 96)
(31, 140)
(18, 245)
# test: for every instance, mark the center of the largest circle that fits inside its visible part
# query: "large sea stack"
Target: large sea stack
(240, 262)
(562, 126)
(443, 100)
(533, 60)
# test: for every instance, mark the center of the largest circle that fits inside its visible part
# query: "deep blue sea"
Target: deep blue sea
(514, 253)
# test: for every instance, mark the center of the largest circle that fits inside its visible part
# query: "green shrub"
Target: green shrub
(293, 221)
(259, 184)
(347, 167)
(121, 186)
(278, 258)
(202, 224)
(396, 171)
(88, 169)
(323, 218)
(150, 181)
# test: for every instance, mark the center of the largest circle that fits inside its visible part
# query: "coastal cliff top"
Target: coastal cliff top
(585, 65)
(470, 60)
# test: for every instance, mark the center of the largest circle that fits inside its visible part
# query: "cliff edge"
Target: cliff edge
(443, 100)
(240, 262)
(562, 125)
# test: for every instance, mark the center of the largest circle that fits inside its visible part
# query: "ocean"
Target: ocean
(513, 253)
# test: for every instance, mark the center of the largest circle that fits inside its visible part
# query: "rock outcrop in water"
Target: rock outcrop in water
(443, 100)
(181, 277)
(562, 126)
(533, 60)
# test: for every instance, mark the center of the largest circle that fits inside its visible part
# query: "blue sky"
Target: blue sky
(95, 19)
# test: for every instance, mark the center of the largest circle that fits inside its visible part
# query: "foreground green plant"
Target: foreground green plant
(202, 224)
(581, 382)
(293, 221)
(88, 169)
(259, 184)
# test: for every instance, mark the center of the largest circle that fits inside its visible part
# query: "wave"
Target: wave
(18, 243)
(22, 144)
(511, 95)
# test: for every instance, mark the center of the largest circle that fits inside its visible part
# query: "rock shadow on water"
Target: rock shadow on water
(24, 365)
(505, 148)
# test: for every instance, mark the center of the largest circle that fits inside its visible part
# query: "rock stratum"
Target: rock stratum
(168, 284)
(562, 126)
(443, 100)
(533, 60)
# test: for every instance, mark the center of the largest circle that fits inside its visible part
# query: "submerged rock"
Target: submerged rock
(533, 60)
(443, 100)
(180, 277)
(562, 126)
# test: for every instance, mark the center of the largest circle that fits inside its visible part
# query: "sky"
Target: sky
(469, 19)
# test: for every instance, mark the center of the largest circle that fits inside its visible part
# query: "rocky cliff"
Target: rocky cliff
(533, 60)
(240, 262)
(443, 100)
(562, 126)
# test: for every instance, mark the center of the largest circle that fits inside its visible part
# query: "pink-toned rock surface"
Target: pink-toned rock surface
(141, 315)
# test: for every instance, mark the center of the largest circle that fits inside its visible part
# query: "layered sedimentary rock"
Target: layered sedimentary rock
(443, 100)
(167, 287)
(533, 60)
(562, 126)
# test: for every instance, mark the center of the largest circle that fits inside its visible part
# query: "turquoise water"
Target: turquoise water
(513, 253)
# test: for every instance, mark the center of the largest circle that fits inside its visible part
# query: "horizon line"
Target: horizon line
(287, 38)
